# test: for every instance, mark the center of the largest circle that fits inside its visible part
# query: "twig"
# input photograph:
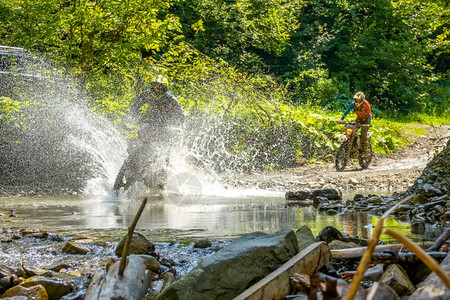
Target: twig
(371, 243)
(422, 255)
(123, 261)
(440, 241)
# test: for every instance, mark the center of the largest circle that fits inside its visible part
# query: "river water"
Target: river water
(226, 215)
(172, 224)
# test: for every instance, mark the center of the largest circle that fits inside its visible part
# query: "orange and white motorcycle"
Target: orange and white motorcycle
(351, 147)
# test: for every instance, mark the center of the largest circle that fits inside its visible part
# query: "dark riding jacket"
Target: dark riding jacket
(164, 108)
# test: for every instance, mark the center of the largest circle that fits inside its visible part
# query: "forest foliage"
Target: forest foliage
(262, 69)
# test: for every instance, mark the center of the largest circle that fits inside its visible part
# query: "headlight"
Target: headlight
(348, 130)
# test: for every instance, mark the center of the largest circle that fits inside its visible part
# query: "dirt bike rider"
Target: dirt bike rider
(363, 115)
(164, 112)
(155, 137)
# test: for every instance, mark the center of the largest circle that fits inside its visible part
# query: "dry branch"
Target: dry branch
(123, 261)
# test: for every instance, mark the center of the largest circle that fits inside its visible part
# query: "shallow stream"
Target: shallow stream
(217, 217)
(172, 225)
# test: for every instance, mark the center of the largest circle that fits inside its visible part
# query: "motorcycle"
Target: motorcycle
(351, 147)
(147, 163)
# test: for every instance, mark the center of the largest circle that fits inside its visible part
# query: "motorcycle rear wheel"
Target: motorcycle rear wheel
(365, 157)
(341, 157)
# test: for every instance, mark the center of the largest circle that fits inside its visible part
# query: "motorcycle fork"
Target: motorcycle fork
(349, 147)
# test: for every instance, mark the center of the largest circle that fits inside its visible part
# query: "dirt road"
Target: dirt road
(386, 173)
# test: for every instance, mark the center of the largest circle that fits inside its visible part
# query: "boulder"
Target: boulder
(139, 244)
(305, 237)
(202, 243)
(228, 272)
(6, 277)
(34, 292)
(397, 279)
(298, 195)
(56, 288)
(73, 248)
(330, 194)
(329, 233)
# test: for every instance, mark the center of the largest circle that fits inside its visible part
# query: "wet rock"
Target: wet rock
(34, 292)
(168, 279)
(73, 248)
(55, 287)
(330, 194)
(374, 199)
(139, 244)
(31, 271)
(420, 199)
(359, 197)
(430, 190)
(203, 243)
(298, 195)
(403, 208)
(6, 277)
(51, 236)
(431, 205)
(60, 267)
(246, 260)
(397, 279)
(329, 233)
(151, 263)
(319, 200)
(329, 206)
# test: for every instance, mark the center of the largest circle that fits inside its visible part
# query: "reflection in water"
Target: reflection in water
(213, 217)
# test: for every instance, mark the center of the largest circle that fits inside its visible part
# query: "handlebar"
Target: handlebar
(352, 123)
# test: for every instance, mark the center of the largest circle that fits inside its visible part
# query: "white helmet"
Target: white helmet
(359, 95)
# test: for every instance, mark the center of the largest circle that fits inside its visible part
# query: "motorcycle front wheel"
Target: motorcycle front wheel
(122, 180)
(341, 157)
(365, 157)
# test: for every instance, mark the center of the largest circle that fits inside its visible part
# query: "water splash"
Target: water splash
(62, 142)
(57, 140)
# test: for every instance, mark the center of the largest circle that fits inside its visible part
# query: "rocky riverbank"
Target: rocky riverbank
(67, 267)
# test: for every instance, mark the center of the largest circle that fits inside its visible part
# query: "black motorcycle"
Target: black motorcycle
(147, 163)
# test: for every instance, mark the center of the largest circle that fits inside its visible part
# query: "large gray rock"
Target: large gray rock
(235, 267)
(305, 237)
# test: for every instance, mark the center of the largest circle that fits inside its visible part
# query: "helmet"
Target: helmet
(359, 95)
(159, 82)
